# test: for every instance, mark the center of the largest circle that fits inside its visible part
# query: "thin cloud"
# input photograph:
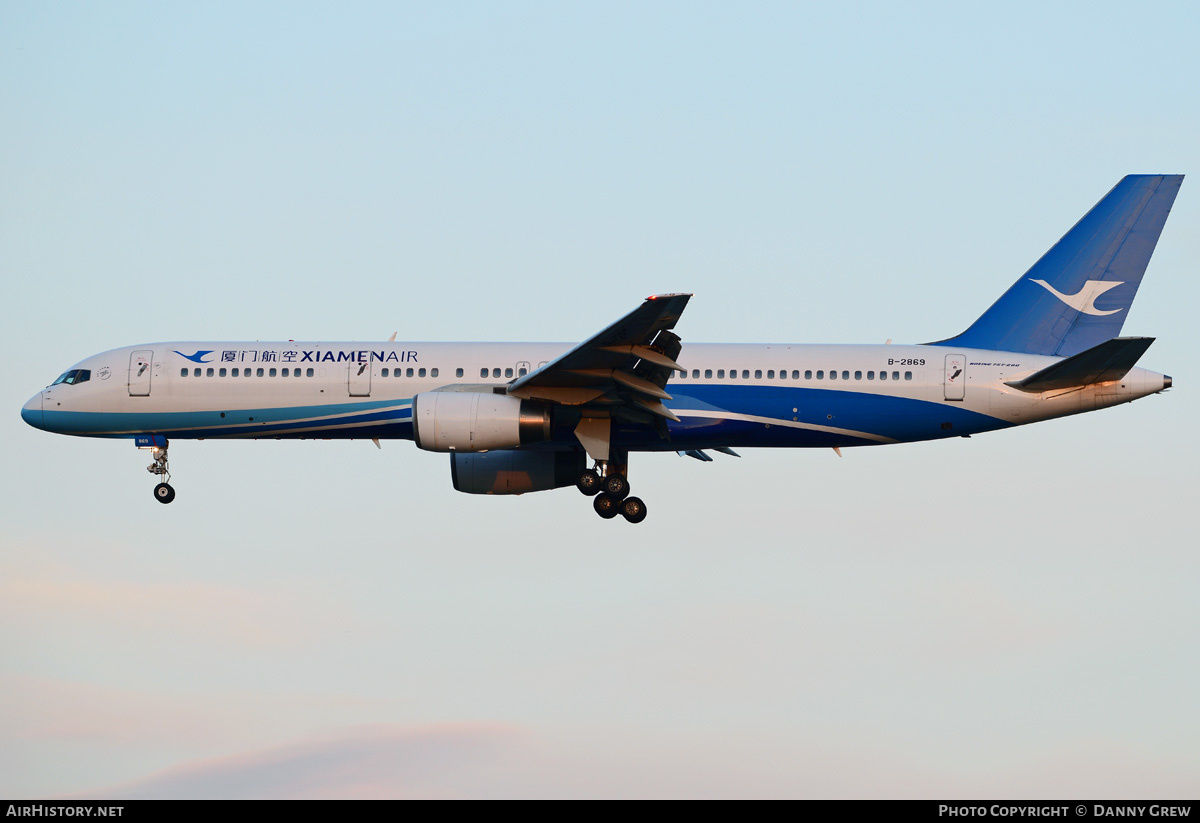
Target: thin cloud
(246, 616)
(372, 762)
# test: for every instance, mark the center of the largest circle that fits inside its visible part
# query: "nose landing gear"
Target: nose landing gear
(163, 492)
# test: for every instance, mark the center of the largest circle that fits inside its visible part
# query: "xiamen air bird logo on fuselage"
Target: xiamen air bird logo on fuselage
(1084, 300)
(198, 357)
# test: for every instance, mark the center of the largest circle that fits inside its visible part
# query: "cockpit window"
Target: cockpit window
(74, 376)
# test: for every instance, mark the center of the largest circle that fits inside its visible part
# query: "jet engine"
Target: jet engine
(452, 421)
(515, 472)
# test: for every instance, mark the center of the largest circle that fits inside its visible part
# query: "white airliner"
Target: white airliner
(525, 417)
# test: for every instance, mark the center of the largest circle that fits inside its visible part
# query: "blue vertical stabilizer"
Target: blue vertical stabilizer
(1078, 294)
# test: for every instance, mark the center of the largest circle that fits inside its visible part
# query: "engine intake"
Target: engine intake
(452, 421)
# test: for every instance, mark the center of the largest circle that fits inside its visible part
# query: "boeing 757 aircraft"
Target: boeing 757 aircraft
(526, 417)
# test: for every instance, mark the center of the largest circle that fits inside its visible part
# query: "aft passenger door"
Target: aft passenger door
(956, 377)
(358, 378)
(141, 365)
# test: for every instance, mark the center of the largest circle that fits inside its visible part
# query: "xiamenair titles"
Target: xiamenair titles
(299, 356)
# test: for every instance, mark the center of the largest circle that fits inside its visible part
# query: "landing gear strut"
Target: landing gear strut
(610, 488)
(163, 492)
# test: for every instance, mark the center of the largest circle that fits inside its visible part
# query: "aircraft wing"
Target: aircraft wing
(625, 367)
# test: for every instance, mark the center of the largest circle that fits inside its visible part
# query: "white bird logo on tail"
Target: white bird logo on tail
(1084, 300)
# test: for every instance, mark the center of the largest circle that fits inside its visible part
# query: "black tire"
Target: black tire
(606, 506)
(633, 509)
(589, 482)
(617, 486)
(163, 493)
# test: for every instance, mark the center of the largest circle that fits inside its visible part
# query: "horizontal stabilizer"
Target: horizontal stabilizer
(1111, 360)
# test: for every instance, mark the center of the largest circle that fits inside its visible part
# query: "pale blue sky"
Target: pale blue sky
(1011, 615)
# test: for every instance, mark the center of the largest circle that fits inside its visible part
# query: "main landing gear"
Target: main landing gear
(163, 492)
(608, 485)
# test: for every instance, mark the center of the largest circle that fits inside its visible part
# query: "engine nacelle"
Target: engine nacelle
(452, 421)
(515, 472)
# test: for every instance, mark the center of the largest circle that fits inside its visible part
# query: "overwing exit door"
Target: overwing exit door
(359, 379)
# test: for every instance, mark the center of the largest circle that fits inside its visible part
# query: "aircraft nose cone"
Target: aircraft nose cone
(31, 412)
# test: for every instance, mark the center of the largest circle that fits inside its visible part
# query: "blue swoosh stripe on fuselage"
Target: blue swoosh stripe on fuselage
(397, 423)
(901, 419)
(211, 424)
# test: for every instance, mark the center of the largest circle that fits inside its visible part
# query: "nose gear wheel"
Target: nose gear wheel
(163, 492)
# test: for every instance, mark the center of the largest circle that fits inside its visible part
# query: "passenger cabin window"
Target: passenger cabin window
(833, 375)
(483, 372)
(183, 372)
(259, 372)
(408, 372)
(733, 374)
(720, 374)
(508, 372)
(458, 372)
(770, 374)
(310, 371)
(433, 372)
(210, 373)
(695, 374)
(858, 375)
(272, 371)
(521, 372)
(421, 373)
(495, 372)
(384, 373)
(820, 374)
(235, 372)
(708, 374)
(223, 373)
(796, 374)
(870, 375)
(883, 375)
(285, 373)
(745, 374)
(895, 375)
